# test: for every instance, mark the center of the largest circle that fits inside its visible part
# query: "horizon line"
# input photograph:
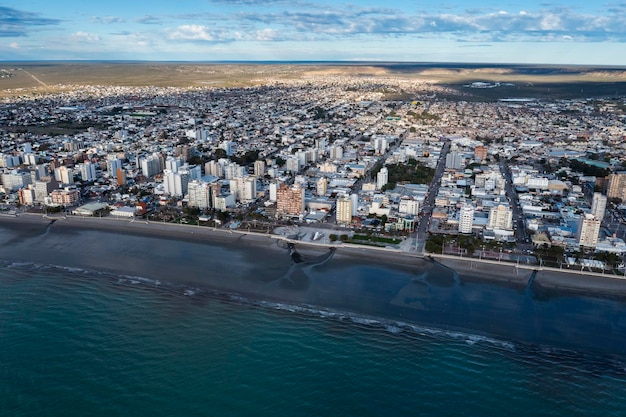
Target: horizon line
(315, 62)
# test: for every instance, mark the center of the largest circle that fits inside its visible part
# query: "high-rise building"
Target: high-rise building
(454, 160)
(113, 165)
(290, 201)
(409, 205)
(466, 219)
(293, 165)
(320, 186)
(173, 164)
(244, 189)
(617, 185)
(382, 178)
(64, 175)
(44, 187)
(588, 231)
(26, 195)
(214, 168)
(152, 165)
(202, 194)
(87, 171)
(500, 217)
(175, 183)
(344, 210)
(259, 168)
(336, 152)
(273, 191)
(598, 205)
(234, 170)
(67, 197)
(15, 180)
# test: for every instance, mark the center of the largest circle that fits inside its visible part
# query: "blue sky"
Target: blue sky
(550, 32)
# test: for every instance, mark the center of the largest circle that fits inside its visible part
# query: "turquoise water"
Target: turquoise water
(77, 343)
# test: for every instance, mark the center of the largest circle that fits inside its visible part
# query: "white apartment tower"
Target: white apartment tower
(244, 189)
(344, 210)
(175, 183)
(382, 178)
(466, 219)
(88, 171)
(320, 186)
(259, 168)
(151, 165)
(598, 205)
(588, 231)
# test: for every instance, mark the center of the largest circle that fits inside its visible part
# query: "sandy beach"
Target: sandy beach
(491, 299)
(263, 252)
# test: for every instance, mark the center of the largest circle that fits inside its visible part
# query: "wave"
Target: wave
(524, 352)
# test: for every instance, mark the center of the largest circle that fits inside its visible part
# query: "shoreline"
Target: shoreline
(467, 269)
(451, 294)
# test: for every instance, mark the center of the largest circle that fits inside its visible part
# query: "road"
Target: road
(429, 202)
(518, 218)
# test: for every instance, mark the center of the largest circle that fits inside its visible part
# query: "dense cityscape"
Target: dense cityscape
(384, 162)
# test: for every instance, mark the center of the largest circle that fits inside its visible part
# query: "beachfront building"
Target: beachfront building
(202, 194)
(14, 180)
(588, 231)
(66, 197)
(617, 185)
(26, 195)
(598, 205)
(244, 189)
(466, 219)
(344, 210)
(290, 201)
(500, 217)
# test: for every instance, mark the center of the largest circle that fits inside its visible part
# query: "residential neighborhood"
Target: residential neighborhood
(383, 161)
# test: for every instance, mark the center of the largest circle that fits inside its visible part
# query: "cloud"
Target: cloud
(14, 23)
(196, 33)
(497, 24)
(86, 37)
(108, 20)
(149, 20)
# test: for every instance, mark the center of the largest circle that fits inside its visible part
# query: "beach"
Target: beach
(266, 254)
(491, 299)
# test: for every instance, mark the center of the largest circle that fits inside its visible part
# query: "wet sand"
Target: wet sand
(140, 248)
(496, 300)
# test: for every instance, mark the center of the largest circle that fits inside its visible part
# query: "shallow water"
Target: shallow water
(76, 342)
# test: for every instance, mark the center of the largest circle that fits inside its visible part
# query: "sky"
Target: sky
(580, 32)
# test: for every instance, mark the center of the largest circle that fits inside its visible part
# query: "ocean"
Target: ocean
(78, 342)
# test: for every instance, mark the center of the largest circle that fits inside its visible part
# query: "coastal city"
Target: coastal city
(337, 160)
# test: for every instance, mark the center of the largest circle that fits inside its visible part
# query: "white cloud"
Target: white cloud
(14, 45)
(86, 37)
(192, 33)
(267, 35)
